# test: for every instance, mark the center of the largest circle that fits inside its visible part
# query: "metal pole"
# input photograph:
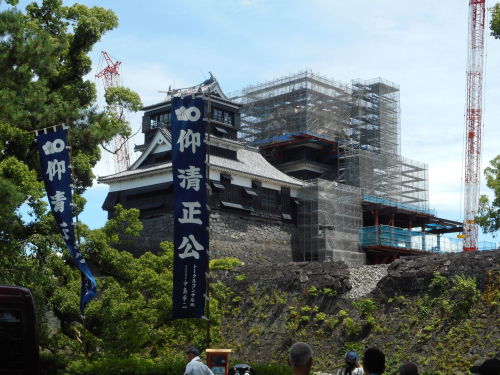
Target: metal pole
(207, 181)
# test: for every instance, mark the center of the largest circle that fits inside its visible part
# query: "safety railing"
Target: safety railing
(384, 235)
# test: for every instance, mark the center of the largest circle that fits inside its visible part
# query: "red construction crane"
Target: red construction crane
(110, 73)
(473, 121)
(111, 78)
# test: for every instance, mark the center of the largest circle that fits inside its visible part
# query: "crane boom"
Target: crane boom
(110, 76)
(473, 121)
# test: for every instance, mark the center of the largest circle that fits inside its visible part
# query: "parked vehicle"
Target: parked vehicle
(19, 353)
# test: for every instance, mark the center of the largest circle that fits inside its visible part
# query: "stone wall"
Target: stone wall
(269, 307)
(412, 275)
(250, 239)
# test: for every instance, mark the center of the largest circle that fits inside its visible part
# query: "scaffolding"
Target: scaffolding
(305, 102)
(358, 126)
(362, 120)
(328, 218)
(375, 122)
(392, 178)
(413, 240)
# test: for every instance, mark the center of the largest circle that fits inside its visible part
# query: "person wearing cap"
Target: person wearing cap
(352, 364)
(486, 367)
(300, 358)
(195, 366)
(409, 368)
(374, 362)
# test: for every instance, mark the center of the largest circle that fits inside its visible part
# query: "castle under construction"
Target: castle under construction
(343, 141)
(316, 162)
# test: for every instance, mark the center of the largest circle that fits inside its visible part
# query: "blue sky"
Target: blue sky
(419, 45)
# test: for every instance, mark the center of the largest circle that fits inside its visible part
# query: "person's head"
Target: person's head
(351, 358)
(191, 352)
(409, 368)
(300, 357)
(373, 361)
(486, 367)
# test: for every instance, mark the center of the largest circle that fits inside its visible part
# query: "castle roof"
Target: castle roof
(208, 87)
(249, 163)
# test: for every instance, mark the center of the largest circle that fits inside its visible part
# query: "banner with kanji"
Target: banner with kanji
(191, 215)
(56, 170)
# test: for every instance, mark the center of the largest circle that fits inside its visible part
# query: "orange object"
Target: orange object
(217, 360)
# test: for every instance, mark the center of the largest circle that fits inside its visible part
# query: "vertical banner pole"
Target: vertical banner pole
(209, 128)
(191, 244)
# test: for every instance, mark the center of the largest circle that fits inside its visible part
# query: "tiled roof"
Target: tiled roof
(209, 86)
(133, 173)
(250, 163)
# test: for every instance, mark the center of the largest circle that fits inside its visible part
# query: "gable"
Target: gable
(160, 145)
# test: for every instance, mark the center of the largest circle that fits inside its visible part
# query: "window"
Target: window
(225, 178)
(256, 184)
(269, 198)
(223, 116)
(228, 118)
(162, 119)
(223, 152)
(218, 115)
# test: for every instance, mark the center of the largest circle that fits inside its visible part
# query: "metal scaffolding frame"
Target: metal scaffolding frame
(305, 102)
(375, 124)
(362, 118)
(362, 121)
(328, 218)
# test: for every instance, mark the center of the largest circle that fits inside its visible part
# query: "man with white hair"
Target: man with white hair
(300, 358)
(195, 366)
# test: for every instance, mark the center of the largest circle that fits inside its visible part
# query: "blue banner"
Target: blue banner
(191, 215)
(56, 171)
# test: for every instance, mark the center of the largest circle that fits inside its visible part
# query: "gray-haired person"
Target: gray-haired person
(195, 366)
(300, 358)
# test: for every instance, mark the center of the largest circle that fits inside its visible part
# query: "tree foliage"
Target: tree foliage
(489, 211)
(44, 60)
(495, 21)
(132, 315)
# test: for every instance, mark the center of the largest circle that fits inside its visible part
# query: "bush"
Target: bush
(241, 277)
(328, 292)
(321, 316)
(227, 264)
(351, 326)
(365, 306)
(439, 282)
(273, 368)
(128, 366)
(463, 295)
(313, 291)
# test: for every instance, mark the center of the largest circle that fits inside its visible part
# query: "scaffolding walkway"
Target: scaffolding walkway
(403, 206)
(393, 239)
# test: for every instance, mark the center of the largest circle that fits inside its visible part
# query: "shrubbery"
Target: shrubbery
(227, 264)
(129, 366)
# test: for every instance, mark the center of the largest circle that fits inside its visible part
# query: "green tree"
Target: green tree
(495, 21)
(132, 315)
(43, 61)
(489, 212)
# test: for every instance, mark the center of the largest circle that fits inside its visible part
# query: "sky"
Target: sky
(420, 45)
